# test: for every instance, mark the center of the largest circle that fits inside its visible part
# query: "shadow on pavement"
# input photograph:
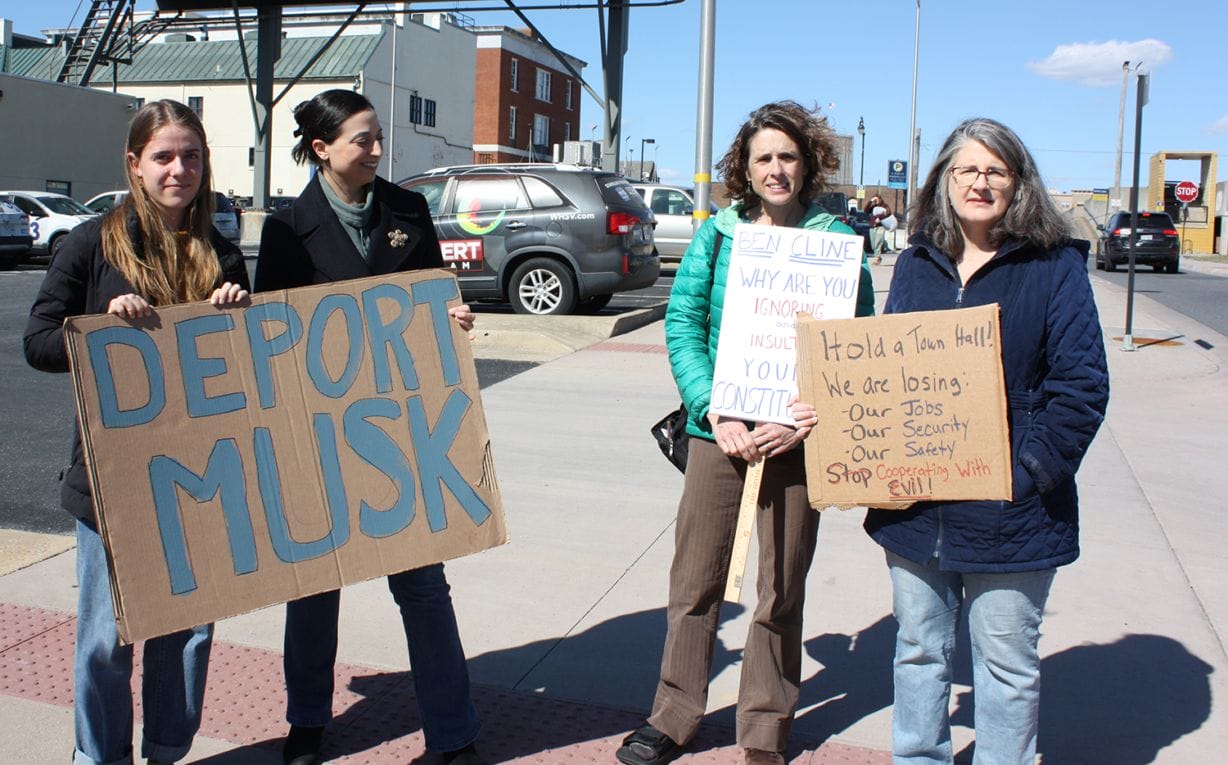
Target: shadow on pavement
(1121, 703)
(535, 715)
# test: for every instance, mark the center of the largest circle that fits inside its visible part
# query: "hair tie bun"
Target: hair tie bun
(298, 132)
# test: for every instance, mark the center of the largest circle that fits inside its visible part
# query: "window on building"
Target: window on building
(567, 94)
(197, 104)
(415, 110)
(138, 103)
(566, 131)
(543, 85)
(511, 124)
(541, 130)
(515, 75)
(251, 156)
(428, 118)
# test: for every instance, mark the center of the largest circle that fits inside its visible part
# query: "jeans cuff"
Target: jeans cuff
(470, 737)
(80, 758)
(163, 753)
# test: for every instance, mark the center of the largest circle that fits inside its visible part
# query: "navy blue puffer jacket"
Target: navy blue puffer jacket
(1057, 389)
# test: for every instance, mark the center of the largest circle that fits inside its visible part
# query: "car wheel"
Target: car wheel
(1109, 265)
(594, 303)
(1171, 267)
(542, 286)
(53, 247)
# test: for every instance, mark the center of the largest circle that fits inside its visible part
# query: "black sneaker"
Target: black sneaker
(467, 755)
(648, 746)
(302, 746)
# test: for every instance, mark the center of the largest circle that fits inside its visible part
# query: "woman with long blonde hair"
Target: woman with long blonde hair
(157, 248)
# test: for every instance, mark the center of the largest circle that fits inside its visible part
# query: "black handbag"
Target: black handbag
(670, 430)
(672, 437)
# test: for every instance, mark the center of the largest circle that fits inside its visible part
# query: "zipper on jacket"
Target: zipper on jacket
(959, 297)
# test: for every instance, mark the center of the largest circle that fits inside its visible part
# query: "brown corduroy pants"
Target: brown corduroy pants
(703, 543)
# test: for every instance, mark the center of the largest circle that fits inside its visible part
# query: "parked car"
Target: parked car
(51, 216)
(672, 206)
(859, 221)
(549, 239)
(15, 238)
(1155, 242)
(225, 216)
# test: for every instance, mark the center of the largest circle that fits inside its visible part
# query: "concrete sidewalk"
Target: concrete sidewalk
(564, 625)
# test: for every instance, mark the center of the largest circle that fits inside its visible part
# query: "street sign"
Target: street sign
(861, 192)
(897, 174)
(1186, 192)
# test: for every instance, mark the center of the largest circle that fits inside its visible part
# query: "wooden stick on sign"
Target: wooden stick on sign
(741, 537)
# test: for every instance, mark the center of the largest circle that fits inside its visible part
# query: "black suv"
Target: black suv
(549, 239)
(1155, 243)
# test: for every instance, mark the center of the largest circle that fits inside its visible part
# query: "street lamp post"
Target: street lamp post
(626, 150)
(861, 131)
(642, 142)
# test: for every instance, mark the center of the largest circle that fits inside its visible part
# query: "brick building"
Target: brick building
(525, 100)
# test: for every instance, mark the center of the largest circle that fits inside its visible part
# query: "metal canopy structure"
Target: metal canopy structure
(109, 34)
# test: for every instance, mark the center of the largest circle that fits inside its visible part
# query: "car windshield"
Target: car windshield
(64, 206)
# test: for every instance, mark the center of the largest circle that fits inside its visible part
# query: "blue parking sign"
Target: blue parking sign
(897, 174)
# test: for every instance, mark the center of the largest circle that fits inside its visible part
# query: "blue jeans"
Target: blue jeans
(172, 682)
(441, 677)
(1004, 614)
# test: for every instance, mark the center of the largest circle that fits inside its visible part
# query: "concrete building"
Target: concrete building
(44, 151)
(418, 70)
(526, 100)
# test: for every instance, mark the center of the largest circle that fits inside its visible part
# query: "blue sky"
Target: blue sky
(1049, 69)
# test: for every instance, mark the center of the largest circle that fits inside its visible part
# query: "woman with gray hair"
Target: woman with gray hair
(985, 231)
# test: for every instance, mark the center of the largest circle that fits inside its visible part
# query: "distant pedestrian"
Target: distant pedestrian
(882, 223)
(780, 160)
(349, 223)
(156, 248)
(985, 231)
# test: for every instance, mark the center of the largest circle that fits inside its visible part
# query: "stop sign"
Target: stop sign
(1186, 192)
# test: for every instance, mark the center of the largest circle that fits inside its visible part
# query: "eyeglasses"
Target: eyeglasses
(966, 175)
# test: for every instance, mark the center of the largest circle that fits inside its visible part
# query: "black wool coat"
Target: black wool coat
(306, 243)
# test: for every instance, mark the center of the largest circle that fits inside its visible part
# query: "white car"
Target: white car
(225, 218)
(15, 239)
(672, 206)
(51, 216)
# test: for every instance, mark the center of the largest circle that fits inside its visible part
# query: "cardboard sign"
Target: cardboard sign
(245, 456)
(911, 407)
(775, 273)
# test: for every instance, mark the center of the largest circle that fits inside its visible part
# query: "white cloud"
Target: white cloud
(1099, 64)
(1220, 125)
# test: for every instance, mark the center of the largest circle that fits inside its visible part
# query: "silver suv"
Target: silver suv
(672, 206)
(549, 239)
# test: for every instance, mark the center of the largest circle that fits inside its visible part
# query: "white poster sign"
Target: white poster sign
(775, 273)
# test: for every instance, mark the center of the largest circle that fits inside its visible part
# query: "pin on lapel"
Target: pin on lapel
(398, 238)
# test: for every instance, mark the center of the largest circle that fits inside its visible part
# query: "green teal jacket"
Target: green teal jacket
(693, 317)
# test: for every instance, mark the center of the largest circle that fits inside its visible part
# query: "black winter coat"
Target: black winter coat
(79, 282)
(306, 243)
(1057, 389)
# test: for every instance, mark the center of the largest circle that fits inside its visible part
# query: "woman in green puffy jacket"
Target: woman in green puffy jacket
(780, 160)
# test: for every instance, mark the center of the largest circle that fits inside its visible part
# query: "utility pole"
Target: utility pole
(1140, 100)
(703, 119)
(913, 142)
(1121, 128)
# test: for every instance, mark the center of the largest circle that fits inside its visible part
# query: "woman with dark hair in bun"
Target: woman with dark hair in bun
(349, 223)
